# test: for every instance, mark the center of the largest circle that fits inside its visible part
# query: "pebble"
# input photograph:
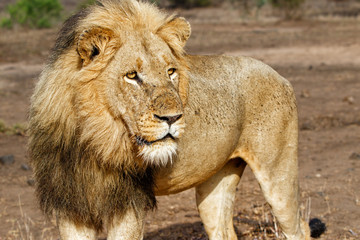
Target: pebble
(307, 126)
(25, 167)
(7, 160)
(355, 155)
(352, 232)
(321, 194)
(31, 182)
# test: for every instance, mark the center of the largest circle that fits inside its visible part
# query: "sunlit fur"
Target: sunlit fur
(85, 116)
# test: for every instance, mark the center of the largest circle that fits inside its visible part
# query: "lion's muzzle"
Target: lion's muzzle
(160, 148)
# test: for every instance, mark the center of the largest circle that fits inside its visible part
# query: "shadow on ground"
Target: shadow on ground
(179, 231)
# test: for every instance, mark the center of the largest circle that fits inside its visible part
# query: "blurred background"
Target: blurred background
(44, 13)
(315, 44)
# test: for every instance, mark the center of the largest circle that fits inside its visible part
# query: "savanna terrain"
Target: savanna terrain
(319, 55)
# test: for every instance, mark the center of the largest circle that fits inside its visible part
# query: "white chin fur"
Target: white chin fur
(158, 153)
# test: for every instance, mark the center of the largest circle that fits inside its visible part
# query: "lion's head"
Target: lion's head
(118, 81)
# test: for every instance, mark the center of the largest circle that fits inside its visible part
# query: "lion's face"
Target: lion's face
(144, 91)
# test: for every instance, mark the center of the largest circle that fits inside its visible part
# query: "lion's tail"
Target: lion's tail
(317, 227)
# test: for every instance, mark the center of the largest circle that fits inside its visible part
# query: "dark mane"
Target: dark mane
(69, 172)
(67, 34)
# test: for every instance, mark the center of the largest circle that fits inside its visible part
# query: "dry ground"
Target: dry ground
(321, 58)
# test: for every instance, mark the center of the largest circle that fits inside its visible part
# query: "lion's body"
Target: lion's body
(122, 114)
(230, 97)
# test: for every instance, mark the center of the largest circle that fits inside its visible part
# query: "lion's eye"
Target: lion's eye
(131, 75)
(133, 78)
(171, 71)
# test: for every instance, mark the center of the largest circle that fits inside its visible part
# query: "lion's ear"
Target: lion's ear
(92, 42)
(175, 32)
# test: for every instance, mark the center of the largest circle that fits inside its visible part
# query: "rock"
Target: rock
(317, 227)
(307, 126)
(321, 194)
(352, 232)
(31, 182)
(7, 160)
(355, 156)
(25, 167)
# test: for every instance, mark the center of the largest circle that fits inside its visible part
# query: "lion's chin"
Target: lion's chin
(158, 153)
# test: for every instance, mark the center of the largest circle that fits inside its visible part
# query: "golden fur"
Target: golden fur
(107, 126)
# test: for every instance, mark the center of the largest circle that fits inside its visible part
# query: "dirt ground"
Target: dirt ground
(320, 57)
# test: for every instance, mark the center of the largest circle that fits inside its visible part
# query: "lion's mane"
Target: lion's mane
(83, 158)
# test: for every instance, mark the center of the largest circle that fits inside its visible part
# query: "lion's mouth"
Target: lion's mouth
(141, 141)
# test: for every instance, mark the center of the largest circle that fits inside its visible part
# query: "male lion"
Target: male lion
(108, 133)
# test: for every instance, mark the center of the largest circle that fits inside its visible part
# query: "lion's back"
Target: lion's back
(230, 80)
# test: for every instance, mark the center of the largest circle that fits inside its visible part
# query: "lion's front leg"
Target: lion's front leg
(130, 226)
(215, 201)
(71, 231)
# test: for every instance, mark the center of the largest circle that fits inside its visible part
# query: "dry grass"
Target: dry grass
(261, 223)
(24, 228)
(16, 129)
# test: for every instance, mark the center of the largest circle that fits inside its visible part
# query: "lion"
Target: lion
(121, 113)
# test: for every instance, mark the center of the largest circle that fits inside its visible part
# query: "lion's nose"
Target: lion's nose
(168, 119)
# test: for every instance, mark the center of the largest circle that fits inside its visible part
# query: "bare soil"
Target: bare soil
(321, 58)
